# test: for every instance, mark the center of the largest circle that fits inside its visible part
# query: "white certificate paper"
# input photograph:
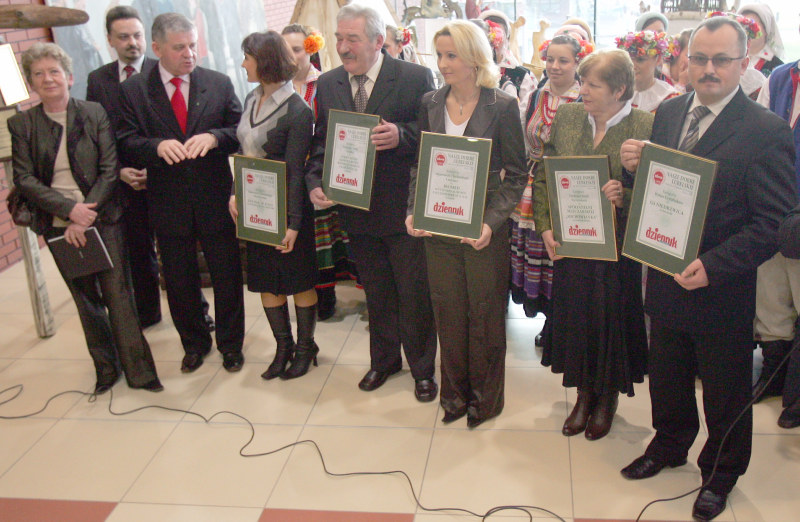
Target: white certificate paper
(349, 158)
(667, 209)
(579, 205)
(260, 205)
(451, 184)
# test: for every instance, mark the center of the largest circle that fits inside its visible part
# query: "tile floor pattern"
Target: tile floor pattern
(77, 461)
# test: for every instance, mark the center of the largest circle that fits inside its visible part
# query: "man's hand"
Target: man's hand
(172, 151)
(481, 242)
(199, 145)
(385, 136)
(83, 214)
(136, 178)
(693, 277)
(75, 235)
(630, 153)
(319, 198)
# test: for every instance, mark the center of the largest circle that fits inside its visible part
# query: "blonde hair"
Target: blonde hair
(472, 46)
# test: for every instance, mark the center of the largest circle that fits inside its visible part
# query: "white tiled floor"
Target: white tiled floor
(157, 464)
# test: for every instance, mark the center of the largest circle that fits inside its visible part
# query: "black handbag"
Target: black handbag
(22, 212)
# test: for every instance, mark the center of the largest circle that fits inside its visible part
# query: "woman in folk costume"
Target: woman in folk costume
(331, 240)
(766, 50)
(531, 267)
(647, 49)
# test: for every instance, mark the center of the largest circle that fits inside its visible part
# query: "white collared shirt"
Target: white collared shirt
(166, 76)
(372, 77)
(137, 67)
(708, 119)
(618, 117)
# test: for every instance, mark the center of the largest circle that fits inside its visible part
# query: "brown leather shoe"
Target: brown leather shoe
(577, 420)
(602, 416)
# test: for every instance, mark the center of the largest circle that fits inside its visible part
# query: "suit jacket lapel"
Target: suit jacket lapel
(483, 115)
(725, 124)
(157, 97)
(436, 111)
(676, 124)
(344, 93)
(384, 84)
(198, 101)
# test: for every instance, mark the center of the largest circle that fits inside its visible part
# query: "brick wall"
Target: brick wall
(22, 39)
(279, 13)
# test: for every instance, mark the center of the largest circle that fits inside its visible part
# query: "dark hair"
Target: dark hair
(305, 31)
(275, 61)
(120, 12)
(566, 39)
(714, 23)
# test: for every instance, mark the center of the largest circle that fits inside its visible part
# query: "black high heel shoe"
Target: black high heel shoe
(303, 357)
(283, 356)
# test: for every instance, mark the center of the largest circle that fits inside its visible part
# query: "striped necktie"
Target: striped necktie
(693, 133)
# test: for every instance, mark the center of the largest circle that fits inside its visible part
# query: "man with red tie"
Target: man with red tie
(179, 122)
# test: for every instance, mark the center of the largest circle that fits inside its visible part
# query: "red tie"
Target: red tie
(179, 103)
(129, 71)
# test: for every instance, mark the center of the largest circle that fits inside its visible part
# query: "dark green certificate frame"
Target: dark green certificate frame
(260, 187)
(349, 168)
(582, 218)
(451, 185)
(668, 208)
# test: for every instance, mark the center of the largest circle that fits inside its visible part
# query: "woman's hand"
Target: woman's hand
(75, 235)
(613, 191)
(288, 241)
(630, 153)
(551, 244)
(83, 214)
(481, 242)
(415, 231)
(232, 208)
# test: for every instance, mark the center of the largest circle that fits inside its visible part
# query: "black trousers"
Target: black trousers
(142, 255)
(469, 289)
(182, 278)
(724, 361)
(108, 315)
(393, 272)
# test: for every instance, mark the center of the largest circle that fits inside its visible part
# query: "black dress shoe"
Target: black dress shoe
(646, 467)
(232, 361)
(193, 361)
(790, 417)
(210, 324)
(452, 417)
(708, 505)
(425, 390)
(538, 340)
(375, 379)
(153, 386)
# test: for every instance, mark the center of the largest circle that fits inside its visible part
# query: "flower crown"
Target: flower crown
(586, 49)
(751, 27)
(644, 43)
(495, 36)
(673, 51)
(404, 34)
(313, 43)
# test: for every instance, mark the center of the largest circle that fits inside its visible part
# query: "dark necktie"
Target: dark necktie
(360, 99)
(693, 133)
(179, 103)
(129, 71)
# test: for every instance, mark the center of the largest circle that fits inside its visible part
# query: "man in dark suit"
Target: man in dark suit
(391, 264)
(702, 318)
(126, 36)
(179, 122)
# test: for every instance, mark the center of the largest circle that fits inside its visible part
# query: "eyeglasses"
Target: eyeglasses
(719, 62)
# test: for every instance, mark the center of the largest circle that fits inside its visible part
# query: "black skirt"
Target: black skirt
(598, 338)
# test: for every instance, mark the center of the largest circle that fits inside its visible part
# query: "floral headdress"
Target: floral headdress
(495, 36)
(644, 43)
(403, 36)
(673, 51)
(751, 27)
(586, 49)
(313, 43)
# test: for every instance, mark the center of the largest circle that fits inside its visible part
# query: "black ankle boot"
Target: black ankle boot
(774, 352)
(306, 350)
(281, 325)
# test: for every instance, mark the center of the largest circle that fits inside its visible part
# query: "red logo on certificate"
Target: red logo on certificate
(342, 135)
(565, 183)
(440, 159)
(249, 178)
(658, 177)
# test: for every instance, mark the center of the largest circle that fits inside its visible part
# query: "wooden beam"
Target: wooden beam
(30, 16)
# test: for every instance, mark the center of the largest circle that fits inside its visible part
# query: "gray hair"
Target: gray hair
(373, 23)
(171, 23)
(712, 24)
(41, 50)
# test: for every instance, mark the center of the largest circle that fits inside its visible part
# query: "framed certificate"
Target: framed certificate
(451, 185)
(260, 186)
(12, 85)
(5, 134)
(583, 219)
(349, 166)
(668, 208)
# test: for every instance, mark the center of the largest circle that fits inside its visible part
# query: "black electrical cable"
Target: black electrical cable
(92, 397)
(724, 438)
